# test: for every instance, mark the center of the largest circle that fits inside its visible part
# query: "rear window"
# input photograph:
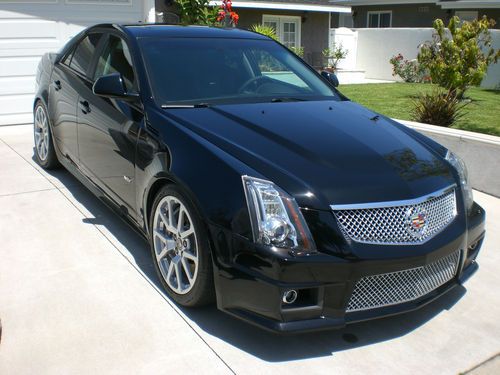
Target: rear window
(83, 53)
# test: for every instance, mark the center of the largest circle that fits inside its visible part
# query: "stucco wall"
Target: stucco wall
(376, 46)
(480, 153)
(415, 15)
(314, 29)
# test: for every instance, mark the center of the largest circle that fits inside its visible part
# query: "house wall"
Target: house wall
(403, 15)
(415, 15)
(314, 29)
(491, 13)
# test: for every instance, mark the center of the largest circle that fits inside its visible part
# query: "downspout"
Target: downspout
(149, 15)
(329, 29)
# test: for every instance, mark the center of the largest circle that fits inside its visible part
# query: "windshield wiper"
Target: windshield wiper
(287, 99)
(177, 106)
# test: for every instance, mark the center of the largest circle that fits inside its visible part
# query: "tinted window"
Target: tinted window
(228, 70)
(82, 56)
(116, 58)
(67, 59)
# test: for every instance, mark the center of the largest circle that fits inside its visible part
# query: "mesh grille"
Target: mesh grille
(397, 287)
(398, 224)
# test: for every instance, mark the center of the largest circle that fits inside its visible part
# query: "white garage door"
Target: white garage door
(29, 28)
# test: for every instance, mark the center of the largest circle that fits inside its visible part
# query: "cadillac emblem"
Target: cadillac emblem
(416, 222)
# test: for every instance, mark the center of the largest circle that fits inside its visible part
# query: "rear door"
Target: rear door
(108, 128)
(69, 77)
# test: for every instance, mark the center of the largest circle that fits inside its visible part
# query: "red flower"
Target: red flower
(226, 10)
(234, 17)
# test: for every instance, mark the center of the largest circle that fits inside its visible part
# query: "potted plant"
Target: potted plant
(332, 57)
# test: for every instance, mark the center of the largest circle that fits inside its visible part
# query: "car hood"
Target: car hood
(322, 152)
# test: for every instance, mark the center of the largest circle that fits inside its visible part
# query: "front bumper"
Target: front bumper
(252, 287)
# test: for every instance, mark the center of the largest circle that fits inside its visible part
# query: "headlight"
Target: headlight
(461, 168)
(276, 218)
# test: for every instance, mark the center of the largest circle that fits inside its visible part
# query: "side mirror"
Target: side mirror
(112, 86)
(331, 77)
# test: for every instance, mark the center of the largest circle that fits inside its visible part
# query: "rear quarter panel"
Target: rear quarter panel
(43, 75)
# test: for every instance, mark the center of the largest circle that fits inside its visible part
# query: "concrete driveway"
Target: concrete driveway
(78, 294)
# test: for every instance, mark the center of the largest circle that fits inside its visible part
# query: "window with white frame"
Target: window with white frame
(379, 19)
(287, 28)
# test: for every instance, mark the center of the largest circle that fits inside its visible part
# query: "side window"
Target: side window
(82, 56)
(116, 58)
(67, 60)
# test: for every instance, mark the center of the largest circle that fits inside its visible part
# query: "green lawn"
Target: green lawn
(395, 100)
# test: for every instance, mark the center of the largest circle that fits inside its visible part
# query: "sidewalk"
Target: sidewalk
(78, 295)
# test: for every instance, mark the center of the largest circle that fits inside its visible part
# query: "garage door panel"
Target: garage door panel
(19, 29)
(18, 66)
(28, 48)
(19, 118)
(17, 85)
(30, 28)
(15, 104)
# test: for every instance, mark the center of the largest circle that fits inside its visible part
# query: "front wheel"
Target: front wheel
(180, 249)
(45, 153)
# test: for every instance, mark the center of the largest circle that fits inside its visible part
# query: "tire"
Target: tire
(182, 257)
(45, 154)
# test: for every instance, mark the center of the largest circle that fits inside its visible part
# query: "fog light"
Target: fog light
(473, 246)
(290, 296)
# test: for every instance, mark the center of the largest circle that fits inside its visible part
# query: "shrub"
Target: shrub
(438, 107)
(334, 55)
(265, 30)
(299, 51)
(408, 70)
(196, 12)
(460, 58)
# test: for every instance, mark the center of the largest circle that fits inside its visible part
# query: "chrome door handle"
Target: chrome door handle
(57, 85)
(84, 106)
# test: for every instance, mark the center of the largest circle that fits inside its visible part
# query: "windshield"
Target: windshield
(217, 70)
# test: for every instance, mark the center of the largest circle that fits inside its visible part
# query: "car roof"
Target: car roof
(163, 30)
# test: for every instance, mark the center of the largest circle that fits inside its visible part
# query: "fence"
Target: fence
(371, 49)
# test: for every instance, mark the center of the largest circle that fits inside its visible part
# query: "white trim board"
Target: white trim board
(379, 2)
(458, 4)
(287, 6)
(469, 4)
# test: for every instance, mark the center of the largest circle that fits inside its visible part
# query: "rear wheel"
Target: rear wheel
(180, 249)
(44, 147)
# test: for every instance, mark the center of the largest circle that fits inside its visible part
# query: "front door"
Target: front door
(108, 128)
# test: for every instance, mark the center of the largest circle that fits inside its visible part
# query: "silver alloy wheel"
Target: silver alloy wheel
(41, 129)
(175, 245)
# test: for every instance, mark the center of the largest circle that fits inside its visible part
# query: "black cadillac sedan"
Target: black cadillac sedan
(257, 183)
